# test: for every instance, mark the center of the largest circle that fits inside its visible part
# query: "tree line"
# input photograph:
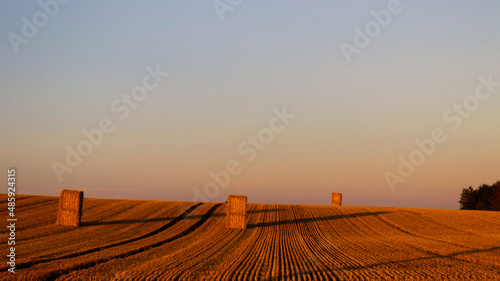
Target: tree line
(484, 197)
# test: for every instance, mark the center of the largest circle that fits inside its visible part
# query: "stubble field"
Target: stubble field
(162, 240)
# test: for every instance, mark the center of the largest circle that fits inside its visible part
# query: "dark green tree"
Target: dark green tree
(495, 200)
(485, 197)
(467, 199)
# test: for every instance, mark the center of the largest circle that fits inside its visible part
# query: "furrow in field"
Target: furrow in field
(199, 255)
(363, 234)
(361, 249)
(438, 252)
(68, 238)
(271, 260)
(310, 265)
(331, 245)
(172, 222)
(3, 197)
(32, 215)
(202, 255)
(414, 223)
(19, 197)
(39, 222)
(469, 222)
(399, 224)
(342, 233)
(242, 252)
(235, 250)
(191, 254)
(281, 242)
(144, 247)
(478, 246)
(369, 244)
(31, 201)
(423, 262)
(55, 269)
(279, 253)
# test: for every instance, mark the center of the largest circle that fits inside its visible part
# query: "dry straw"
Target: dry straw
(236, 211)
(70, 207)
(336, 199)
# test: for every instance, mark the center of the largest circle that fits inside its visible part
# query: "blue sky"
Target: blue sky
(226, 76)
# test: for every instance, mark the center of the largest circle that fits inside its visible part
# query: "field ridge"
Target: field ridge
(167, 240)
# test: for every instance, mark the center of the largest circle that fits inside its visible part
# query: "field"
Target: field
(162, 240)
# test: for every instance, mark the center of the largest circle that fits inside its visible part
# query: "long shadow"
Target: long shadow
(53, 275)
(265, 211)
(434, 256)
(327, 218)
(94, 223)
(332, 271)
(104, 247)
(48, 201)
(17, 199)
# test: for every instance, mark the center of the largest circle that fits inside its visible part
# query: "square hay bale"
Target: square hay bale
(70, 207)
(236, 211)
(336, 199)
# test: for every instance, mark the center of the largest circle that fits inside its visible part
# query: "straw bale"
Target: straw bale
(70, 207)
(236, 211)
(336, 199)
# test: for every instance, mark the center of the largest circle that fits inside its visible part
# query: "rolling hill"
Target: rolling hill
(163, 240)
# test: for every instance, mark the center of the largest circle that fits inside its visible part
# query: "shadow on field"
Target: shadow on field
(93, 223)
(309, 273)
(265, 211)
(327, 218)
(432, 256)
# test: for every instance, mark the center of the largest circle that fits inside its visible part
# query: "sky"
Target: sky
(391, 103)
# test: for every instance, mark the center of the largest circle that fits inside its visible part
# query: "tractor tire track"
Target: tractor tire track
(121, 243)
(58, 273)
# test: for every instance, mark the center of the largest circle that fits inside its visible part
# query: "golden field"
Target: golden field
(163, 240)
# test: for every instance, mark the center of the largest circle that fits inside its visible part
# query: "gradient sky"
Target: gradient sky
(353, 120)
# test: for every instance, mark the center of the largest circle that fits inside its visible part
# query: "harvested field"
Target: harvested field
(155, 240)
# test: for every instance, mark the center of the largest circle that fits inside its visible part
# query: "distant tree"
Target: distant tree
(485, 197)
(495, 200)
(467, 199)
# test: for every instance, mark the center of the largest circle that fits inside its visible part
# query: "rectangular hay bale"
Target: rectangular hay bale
(336, 199)
(236, 211)
(70, 207)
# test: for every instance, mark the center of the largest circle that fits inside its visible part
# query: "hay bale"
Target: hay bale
(336, 199)
(236, 211)
(70, 207)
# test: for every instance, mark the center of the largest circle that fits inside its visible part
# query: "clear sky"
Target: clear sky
(64, 68)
